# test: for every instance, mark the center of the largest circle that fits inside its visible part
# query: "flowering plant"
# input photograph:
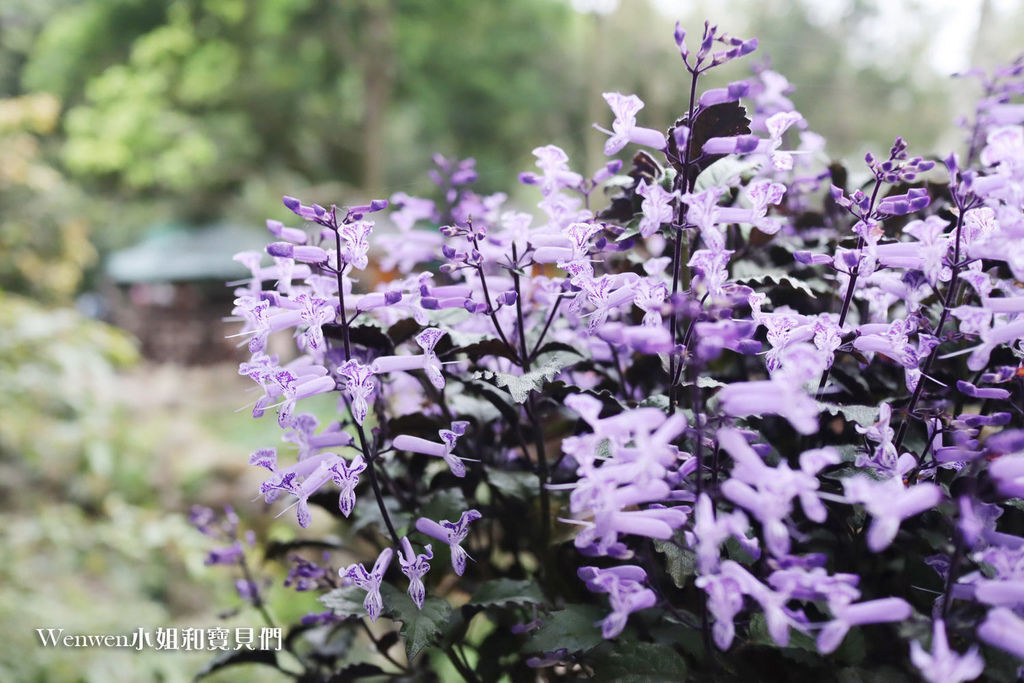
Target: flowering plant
(719, 397)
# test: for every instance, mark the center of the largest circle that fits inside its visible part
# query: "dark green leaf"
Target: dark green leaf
(634, 662)
(680, 562)
(862, 415)
(522, 485)
(346, 601)
(420, 627)
(507, 591)
(548, 365)
(573, 628)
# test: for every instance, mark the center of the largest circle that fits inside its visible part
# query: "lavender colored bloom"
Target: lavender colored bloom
(314, 473)
(415, 568)
(452, 533)
(889, 502)
(369, 581)
(883, 611)
(943, 665)
(657, 207)
(359, 386)
(725, 600)
(449, 437)
(711, 529)
(305, 254)
(626, 593)
(1003, 629)
(624, 129)
(1008, 473)
(226, 555)
(427, 361)
(768, 492)
(346, 476)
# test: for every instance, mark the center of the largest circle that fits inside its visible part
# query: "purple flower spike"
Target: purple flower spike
(452, 533)
(415, 568)
(369, 581)
(346, 476)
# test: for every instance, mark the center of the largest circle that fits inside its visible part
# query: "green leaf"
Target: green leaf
(745, 274)
(346, 601)
(659, 401)
(640, 663)
(522, 485)
(724, 171)
(507, 591)
(447, 504)
(862, 415)
(548, 365)
(680, 562)
(573, 628)
(420, 627)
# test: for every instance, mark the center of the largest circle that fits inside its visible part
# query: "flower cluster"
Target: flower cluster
(743, 389)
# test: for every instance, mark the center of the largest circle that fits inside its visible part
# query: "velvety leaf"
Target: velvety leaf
(862, 415)
(514, 484)
(680, 562)
(635, 662)
(507, 591)
(420, 627)
(446, 504)
(724, 171)
(346, 601)
(573, 629)
(547, 367)
(747, 273)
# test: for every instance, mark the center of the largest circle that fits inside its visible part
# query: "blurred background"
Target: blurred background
(143, 142)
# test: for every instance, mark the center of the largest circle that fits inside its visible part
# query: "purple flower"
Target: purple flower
(452, 533)
(369, 581)
(710, 530)
(624, 129)
(427, 361)
(359, 386)
(889, 502)
(626, 593)
(657, 207)
(1003, 629)
(415, 568)
(315, 472)
(767, 492)
(943, 665)
(449, 437)
(883, 611)
(346, 476)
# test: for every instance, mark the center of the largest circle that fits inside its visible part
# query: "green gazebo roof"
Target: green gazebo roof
(176, 252)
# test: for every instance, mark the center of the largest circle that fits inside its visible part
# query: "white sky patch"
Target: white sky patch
(896, 26)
